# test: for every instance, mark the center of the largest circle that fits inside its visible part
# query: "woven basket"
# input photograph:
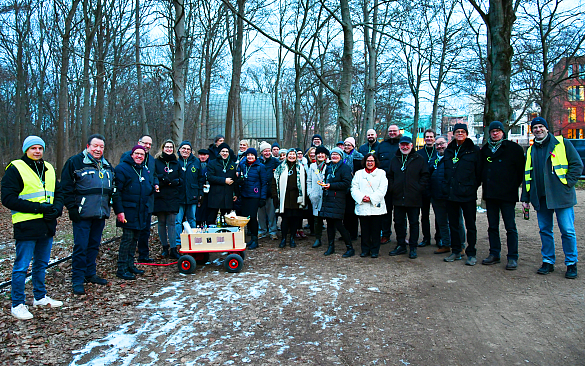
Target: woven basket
(237, 221)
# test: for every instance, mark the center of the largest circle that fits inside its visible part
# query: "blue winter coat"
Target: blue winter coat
(253, 180)
(193, 180)
(270, 165)
(149, 164)
(134, 188)
(437, 181)
(333, 205)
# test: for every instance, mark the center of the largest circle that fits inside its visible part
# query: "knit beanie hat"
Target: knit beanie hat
(351, 140)
(203, 152)
(185, 143)
(321, 149)
(337, 150)
(264, 145)
(276, 145)
(539, 121)
(460, 126)
(317, 136)
(251, 150)
(222, 146)
(30, 141)
(137, 147)
(496, 125)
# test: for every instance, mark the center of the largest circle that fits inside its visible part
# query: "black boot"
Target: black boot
(412, 253)
(350, 252)
(134, 270)
(252, 244)
(125, 275)
(173, 253)
(317, 243)
(165, 252)
(292, 242)
(283, 242)
(400, 249)
(331, 248)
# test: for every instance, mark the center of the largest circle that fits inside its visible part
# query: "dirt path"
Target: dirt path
(295, 306)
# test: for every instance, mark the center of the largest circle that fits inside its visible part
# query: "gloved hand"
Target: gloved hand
(261, 203)
(46, 208)
(52, 215)
(175, 182)
(74, 215)
(164, 181)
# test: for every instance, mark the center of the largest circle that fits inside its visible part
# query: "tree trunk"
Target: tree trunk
(178, 123)
(371, 67)
(237, 57)
(101, 51)
(139, 87)
(344, 116)
(89, 37)
(63, 92)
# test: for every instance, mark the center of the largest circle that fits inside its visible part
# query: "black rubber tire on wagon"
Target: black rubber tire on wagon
(186, 264)
(233, 263)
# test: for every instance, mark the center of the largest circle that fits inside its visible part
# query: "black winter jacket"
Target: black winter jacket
(430, 155)
(462, 178)
(502, 172)
(134, 191)
(366, 148)
(270, 165)
(12, 185)
(437, 181)
(386, 152)
(339, 176)
(214, 153)
(408, 185)
(193, 180)
(221, 194)
(170, 181)
(253, 180)
(86, 187)
(149, 164)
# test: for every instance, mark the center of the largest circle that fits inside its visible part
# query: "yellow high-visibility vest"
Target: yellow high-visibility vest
(34, 190)
(558, 158)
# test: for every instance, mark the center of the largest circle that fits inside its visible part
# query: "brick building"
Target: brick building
(568, 109)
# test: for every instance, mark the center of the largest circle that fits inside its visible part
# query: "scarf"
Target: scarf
(370, 171)
(495, 145)
(281, 178)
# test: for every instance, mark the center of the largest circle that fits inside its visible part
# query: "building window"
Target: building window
(575, 133)
(570, 70)
(576, 93)
(582, 71)
(572, 115)
(516, 130)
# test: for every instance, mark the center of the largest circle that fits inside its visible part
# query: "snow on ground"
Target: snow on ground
(229, 319)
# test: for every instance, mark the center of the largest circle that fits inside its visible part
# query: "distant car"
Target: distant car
(580, 147)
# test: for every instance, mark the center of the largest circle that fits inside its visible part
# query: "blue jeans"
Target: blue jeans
(87, 237)
(185, 210)
(566, 222)
(267, 219)
(25, 251)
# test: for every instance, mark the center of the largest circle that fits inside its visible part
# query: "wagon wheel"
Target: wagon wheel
(202, 258)
(233, 263)
(186, 264)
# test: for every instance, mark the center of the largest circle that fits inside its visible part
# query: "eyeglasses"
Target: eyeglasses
(460, 132)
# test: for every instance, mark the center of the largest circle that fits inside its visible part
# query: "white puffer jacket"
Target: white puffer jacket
(373, 185)
(314, 190)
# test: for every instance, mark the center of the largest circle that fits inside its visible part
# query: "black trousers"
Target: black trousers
(143, 251)
(400, 215)
(425, 221)
(337, 224)
(250, 208)
(350, 219)
(127, 249)
(387, 218)
(494, 207)
(318, 222)
(371, 226)
(454, 210)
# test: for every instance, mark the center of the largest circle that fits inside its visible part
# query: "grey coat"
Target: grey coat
(558, 195)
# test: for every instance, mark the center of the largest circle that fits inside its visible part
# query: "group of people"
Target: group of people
(370, 186)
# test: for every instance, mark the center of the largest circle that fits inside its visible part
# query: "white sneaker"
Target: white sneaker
(48, 301)
(21, 312)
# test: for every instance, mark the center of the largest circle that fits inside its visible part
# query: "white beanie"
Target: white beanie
(264, 145)
(351, 140)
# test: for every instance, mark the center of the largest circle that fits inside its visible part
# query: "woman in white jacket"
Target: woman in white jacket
(368, 188)
(316, 174)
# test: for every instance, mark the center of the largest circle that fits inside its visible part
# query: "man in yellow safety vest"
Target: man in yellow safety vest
(552, 168)
(31, 191)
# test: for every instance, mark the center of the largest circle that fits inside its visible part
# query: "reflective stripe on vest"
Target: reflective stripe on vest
(558, 158)
(33, 190)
